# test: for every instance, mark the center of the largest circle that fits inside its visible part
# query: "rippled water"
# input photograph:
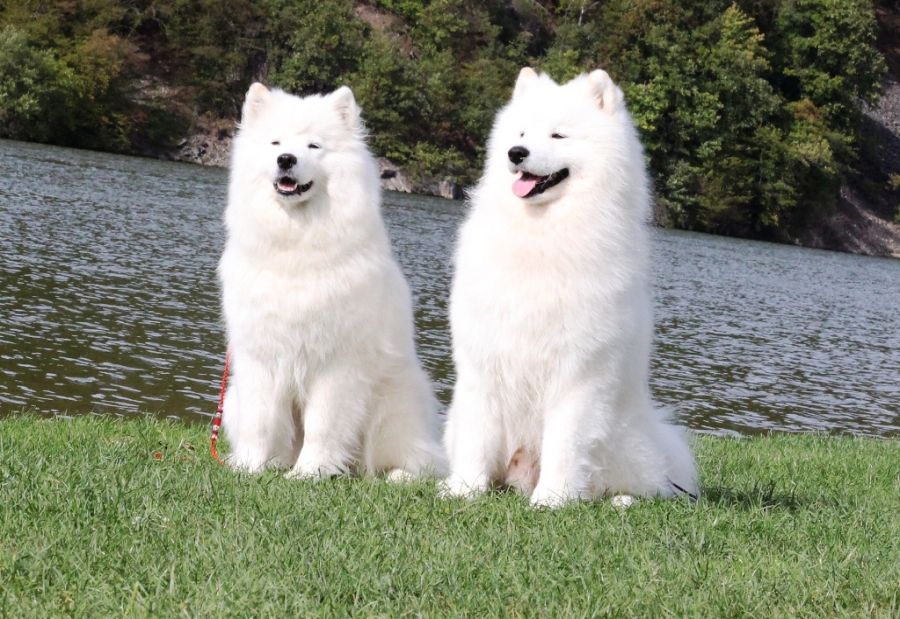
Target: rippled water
(109, 302)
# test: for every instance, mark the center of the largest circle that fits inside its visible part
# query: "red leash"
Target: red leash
(217, 419)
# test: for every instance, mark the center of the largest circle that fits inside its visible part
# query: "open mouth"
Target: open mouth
(528, 185)
(288, 186)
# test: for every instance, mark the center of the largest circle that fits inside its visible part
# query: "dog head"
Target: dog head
(550, 137)
(285, 140)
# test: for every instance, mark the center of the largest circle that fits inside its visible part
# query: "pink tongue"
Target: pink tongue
(522, 187)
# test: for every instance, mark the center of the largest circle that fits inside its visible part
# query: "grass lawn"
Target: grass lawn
(104, 517)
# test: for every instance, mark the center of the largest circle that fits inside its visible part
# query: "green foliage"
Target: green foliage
(430, 92)
(749, 110)
(77, 99)
(745, 133)
(312, 45)
(825, 53)
(701, 100)
(80, 92)
(33, 85)
(386, 89)
(213, 48)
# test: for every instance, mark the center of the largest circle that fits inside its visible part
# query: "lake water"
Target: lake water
(109, 302)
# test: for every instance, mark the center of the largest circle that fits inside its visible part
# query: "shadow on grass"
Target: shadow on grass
(760, 496)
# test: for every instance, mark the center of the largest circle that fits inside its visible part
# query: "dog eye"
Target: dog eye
(275, 142)
(314, 145)
(521, 134)
(557, 136)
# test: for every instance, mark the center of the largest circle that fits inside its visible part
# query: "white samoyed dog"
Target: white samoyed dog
(319, 317)
(551, 312)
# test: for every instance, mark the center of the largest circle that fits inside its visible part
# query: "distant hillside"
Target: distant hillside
(760, 117)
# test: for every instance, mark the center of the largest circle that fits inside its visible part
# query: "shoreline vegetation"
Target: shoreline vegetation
(768, 119)
(105, 516)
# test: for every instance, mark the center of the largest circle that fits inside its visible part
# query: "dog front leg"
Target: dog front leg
(572, 426)
(474, 440)
(257, 417)
(333, 421)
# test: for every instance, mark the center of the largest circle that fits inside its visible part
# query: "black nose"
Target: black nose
(286, 161)
(517, 154)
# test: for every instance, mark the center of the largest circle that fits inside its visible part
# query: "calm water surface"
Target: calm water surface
(109, 302)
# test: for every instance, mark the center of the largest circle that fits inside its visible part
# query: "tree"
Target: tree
(312, 46)
(825, 53)
(33, 88)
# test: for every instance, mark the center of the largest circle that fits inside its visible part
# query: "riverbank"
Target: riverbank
(209, 144)
(103, 517)
(864, 219)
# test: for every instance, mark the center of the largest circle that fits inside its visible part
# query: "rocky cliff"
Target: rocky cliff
(865, 220)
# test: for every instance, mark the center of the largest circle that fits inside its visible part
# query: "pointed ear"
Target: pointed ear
(528, 77)
(345, 104)
(257, 98)
(608, 96)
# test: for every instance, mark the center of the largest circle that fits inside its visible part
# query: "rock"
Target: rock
(392, 179)
(443, 187)
(450, 189)
(209, 143)
(863, 220)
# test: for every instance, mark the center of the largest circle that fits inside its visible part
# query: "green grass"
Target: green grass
(103, 517)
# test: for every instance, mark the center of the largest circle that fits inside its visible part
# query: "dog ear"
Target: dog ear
(256, 99)
(608, 96)
(528, 77)
(345, 103)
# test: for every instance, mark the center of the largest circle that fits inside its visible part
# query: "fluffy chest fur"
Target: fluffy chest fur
(551, 291)
(277, 303)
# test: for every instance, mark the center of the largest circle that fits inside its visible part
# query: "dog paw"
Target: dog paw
(550, 498)
(456, 487)
(246, 462)
(313, 471)
(399, 476)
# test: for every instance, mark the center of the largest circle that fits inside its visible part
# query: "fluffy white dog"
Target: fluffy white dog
(551, 311)
(319, 317)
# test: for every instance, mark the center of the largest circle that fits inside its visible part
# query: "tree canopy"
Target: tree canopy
(749, 109)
